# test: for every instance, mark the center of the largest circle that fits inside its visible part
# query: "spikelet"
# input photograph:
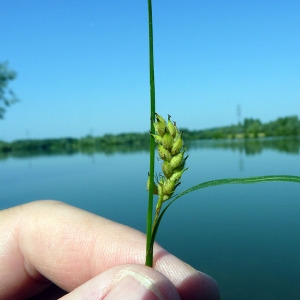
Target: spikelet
(171, 150)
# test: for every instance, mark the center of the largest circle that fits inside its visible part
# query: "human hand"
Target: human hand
(49, 244)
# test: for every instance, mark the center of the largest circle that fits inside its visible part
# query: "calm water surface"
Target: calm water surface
(247, 237)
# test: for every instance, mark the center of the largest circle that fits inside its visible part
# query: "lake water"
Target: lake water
(245, 236)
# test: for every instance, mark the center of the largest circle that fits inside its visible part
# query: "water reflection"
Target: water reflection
(247, 146)
(251, 146)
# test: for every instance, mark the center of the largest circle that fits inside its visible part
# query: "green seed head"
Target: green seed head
(177, 175)
(167, 141)
(171, 150)
(169, 187)
(160, 125)
(171, 127)
(177, 160)
(157, 138)
(177, 145)
(181, 167)
(164, 153)
(167, 169)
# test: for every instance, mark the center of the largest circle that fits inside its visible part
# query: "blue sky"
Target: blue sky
(83, 65)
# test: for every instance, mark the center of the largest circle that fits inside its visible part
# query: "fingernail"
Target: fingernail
(134, 287)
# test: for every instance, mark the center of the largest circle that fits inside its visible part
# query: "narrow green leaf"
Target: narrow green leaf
(247, 180)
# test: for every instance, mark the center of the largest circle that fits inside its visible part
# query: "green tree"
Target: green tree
(7, 96)
(283, 126)
(252, 127)
(288, 125)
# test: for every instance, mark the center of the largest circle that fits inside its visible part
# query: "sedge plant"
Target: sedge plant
(165, 136)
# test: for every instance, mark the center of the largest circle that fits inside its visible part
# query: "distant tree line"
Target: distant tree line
(250, 128)
(109, 143)
(251, 146)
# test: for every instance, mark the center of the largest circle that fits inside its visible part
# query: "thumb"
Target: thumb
(132, 282)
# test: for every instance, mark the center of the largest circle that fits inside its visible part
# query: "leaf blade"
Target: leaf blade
(217, 182)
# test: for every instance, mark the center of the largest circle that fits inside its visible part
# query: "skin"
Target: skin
(49, 249)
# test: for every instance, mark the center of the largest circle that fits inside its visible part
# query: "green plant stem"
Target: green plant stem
(149, 245)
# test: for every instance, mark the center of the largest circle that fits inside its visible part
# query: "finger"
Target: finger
(126, 282)
(69, 246)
